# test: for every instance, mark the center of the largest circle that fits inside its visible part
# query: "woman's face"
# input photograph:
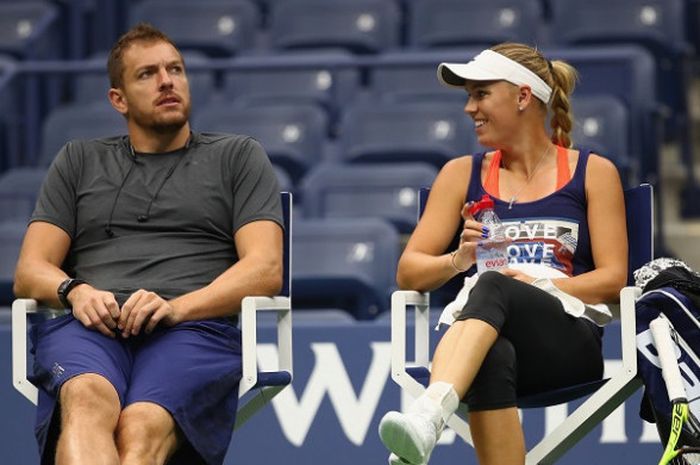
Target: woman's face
(493, 105)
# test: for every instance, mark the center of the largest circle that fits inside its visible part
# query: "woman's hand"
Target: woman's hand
(519, 275)
(472, 232)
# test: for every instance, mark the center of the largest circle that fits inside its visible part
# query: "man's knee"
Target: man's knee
(89, 396)
(146, 430)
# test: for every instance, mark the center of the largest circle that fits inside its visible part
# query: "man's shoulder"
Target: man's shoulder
(102, 143)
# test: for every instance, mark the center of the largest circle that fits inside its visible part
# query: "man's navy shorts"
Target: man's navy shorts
(192, 370)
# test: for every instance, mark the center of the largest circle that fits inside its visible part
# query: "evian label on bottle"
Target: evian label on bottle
(491, 256)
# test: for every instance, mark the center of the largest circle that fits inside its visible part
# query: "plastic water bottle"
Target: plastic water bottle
(491, 253)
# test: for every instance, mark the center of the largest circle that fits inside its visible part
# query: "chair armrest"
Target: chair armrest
(249, 308)
(628, 327)
(20, 309)
(400, 300)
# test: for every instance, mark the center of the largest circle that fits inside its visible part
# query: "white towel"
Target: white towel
(598, 313)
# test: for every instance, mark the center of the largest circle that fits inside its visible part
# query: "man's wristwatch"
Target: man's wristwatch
(64, 289)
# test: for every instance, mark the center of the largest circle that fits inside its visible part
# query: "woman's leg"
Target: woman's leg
(498, 436)
(460, 352)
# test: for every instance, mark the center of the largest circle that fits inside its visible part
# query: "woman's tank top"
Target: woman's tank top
(553, 230)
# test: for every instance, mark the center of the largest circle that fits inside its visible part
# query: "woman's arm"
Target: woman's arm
(608, 232)
(424, 264)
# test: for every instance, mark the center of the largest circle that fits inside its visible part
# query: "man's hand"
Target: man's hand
(95, 309)
(145, 307)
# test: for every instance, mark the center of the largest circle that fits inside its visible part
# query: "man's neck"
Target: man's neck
(157, 142)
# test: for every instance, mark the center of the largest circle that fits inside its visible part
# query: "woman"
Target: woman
(563, 209)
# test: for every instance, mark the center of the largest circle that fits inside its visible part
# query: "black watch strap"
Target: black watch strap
(64, 289)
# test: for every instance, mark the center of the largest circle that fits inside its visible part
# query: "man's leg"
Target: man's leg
(89, 414)
(146, 434)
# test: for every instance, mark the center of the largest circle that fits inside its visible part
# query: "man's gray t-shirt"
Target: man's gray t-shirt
(161, 222)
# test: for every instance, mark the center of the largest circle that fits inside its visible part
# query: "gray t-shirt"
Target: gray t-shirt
(161, 222)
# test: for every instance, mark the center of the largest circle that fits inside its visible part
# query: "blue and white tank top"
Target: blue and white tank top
(553, 230)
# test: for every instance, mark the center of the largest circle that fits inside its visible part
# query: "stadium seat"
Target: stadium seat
(601, 124)
(88, 121)
(292, 135)
(656, 25)
(411, 75)
(91, 86)
(605, 395)
(9, 118)
(326, 78)
(361, 26)
(448, 23)
(11, 235)
(344, 263)
(432, 132)
(257, 387)
(386, 191)
(19, 188)
(30, 29)
(216, 27)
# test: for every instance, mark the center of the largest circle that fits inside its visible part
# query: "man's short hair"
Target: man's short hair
(142, 32)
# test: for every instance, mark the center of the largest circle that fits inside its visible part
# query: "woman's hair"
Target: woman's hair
(559, 75)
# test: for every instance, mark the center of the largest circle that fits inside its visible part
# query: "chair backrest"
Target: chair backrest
(292, 135)
(286, 199)
(216, 27)
(78, 121)
(658, 24)
(360, 190)
(601, 124)
(431, 132)
(361, 26)
(639, 213)
(299, 76)
(344, 263)
(435, 23)
(30, 29)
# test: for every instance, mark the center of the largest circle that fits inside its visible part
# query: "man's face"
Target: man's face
(155, 88)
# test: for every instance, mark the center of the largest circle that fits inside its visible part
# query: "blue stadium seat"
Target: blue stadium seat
(19, 188)
(387, 191)
(293, 135)
(361, 26)
(412, 75)
(92, 86)
(348, 264)
(627, 73)
(78, 121)
(9, 117)
(11, 235)
(30, 29)
(658, 26)
(438, 23)
(216, 27)
(601, 123)
(432, 132)
(326, 78)
(285, 182)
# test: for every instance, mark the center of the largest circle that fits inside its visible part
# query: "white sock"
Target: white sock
(444, 395)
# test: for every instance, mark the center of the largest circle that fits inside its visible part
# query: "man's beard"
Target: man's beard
(162, 124)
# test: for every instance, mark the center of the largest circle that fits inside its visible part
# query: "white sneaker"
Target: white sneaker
(412, 436)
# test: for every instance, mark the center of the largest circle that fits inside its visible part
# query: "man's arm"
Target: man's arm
(257, 272)
(38, 275)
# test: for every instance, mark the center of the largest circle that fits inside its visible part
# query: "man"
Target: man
(152, 239)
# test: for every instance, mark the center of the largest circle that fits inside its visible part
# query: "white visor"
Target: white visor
(492, 66)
